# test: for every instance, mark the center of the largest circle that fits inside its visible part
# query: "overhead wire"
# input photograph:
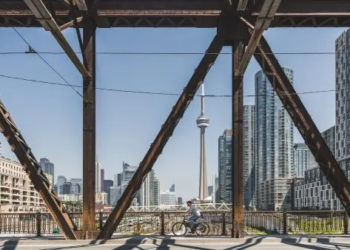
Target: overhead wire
(145, 92)
(31, 50)
(159, 53)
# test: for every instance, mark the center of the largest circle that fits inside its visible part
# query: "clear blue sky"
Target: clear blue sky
(50, 117)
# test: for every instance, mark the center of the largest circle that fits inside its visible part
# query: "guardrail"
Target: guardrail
(160, 223)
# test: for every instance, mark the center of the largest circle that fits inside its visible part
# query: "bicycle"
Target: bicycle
(180, 228)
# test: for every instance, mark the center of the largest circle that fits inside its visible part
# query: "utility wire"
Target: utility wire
(144, 92)
(31, 50)
(160, 53)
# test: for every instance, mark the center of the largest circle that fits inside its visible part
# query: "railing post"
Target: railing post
(101, 220)
(284, 222)
(346, 222)
(162, 230)
(223, 230)
(38, 224)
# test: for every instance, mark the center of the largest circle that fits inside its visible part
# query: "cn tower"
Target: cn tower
(202, 123)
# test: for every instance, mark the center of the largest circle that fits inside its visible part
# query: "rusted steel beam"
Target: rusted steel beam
(237, 144)
(163, 136)
(242, 5)
(265, 17)
(307, 7)
(304, 123)
(35, 173)
(89, 125)
(70, 24)
(81, 4)
(195, 7)
(44, 17)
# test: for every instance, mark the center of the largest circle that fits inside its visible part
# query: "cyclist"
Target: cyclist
(195, 215)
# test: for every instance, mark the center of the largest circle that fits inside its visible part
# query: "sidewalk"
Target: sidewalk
(167, 240)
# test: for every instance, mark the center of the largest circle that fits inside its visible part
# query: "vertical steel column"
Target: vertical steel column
(237, 145)
(89, 125)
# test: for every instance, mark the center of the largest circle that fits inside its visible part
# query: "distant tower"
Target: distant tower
(202, 123)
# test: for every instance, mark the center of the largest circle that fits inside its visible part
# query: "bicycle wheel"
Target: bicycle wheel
(201, 229)
(179, 229)
(207, 228)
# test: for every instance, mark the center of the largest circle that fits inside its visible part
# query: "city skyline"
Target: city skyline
(119, 114)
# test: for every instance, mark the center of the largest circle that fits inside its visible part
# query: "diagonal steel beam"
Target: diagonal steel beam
(163, 136)
(35, 173)
(304, 123)
(44, 17)
(264, 20)
(242, 5)
(81, 4)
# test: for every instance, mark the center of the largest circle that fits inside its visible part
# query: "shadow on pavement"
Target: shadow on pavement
(9, 245)
(167, 242)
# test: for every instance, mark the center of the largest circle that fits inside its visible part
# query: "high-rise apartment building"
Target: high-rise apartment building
(47, 167)
(314, 191)
(273, 146)
(17, 191)
(225, 164)
(248, 155)
(342, 82)
(303, 160)
(329, 136)
(149, 191)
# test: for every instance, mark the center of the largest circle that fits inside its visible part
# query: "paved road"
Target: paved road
(178, 246)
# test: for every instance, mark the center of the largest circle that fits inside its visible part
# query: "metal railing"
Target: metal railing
(160, 223)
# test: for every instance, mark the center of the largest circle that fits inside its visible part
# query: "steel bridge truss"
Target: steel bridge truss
(240, 24)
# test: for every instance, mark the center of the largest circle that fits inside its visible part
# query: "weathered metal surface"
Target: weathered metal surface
(35, 173)
(266, 15)
(89, 125)
(237, 145)
(185, 21)
(46, 20)
(304, 123)
(163, 136)
(190, 13)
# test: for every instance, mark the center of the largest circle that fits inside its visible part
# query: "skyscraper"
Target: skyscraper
(102, 180)
(303, 160)
(225, 163)
(147, 195)
(47, 167)
(273, 146)
(60, 180)
(202, 123)
(342, 98)
(97, 177)
(248, 155)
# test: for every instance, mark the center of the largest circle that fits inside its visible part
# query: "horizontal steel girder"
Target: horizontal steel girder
(179, 21)
(190, 13)
(303, 121)
(163, 136)
(35, 173)
(288, 7)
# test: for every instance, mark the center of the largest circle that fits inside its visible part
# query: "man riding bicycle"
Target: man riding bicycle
(195, 215)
